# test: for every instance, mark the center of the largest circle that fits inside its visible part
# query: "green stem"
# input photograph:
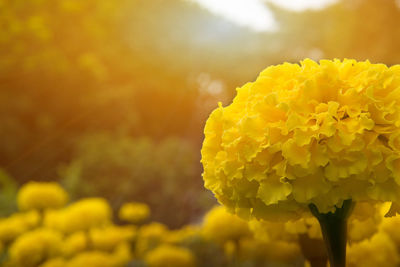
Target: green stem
(334, 230)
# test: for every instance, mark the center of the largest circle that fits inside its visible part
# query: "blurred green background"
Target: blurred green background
(110, 97)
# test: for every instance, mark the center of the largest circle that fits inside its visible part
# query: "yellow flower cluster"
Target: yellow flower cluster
(83, 234)
(374, 240)
(95, 211)
(170, 256)
(240, 239)
(39, 196)
(308, 133)
(47, 235)
(17, 224)
(215, 226)
(134, 212)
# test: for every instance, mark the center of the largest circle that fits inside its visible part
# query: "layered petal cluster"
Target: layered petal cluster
(309, 133)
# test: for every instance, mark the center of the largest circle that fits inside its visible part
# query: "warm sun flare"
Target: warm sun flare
(255, 14)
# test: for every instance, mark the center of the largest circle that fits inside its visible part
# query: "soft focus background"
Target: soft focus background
(109, 98)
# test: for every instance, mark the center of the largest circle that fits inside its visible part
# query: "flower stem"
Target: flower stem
(334, 230)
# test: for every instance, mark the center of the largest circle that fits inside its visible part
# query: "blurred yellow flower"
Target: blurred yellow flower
(17, 224)
(149, 237)
(92, 258)
(170, 256)
(74, 243)
(391, 226)
(80, 216)
(380, 250)
(55, 262)
(122, 254)
(33, 248)
(309, 133)
(134, 212)
(107, 238)
(221, 226)
(41, 195)
(180, 235)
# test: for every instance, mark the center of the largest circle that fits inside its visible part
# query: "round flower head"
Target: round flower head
(32, 248)
(150, 236)
(74, 243)
(107, 238)
(134, 212)
(80, 216)
(309, 133)
(41, 195)
(17, 224)
(55, 262)
(92, 258)
(221, 226)
(380, 250)
(170, 256)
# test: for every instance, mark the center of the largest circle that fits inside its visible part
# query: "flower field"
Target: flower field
(48, 230)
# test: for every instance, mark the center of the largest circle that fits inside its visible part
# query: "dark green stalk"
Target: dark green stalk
(334, 230)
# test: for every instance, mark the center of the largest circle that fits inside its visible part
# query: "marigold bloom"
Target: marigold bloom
(18, 223)
(32, 248)
(150, 236)
(74, 243)
(41, 195)
(170, 256)
(107, 238)
(183, 234)
(309, 133)
(80, 216)
(380, 250)
(221, 226)
(92, 258)
(55, 262)
(134, 212)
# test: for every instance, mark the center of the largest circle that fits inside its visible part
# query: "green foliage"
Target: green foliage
(8, 193)
(163, 174)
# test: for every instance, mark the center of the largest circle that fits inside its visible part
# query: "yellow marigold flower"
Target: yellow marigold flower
(309, 133)
(41, 195)
(80, 216)
(380, 250)
(170, 256)
(134, 212)
(17, 224)
(391, 227)
(279, 251)
(122, 254)
(107, 238)
(221, 226)
(180, 235)
(55, 262)
(33, 248)
(149, 237)
(92, 258)
(74, 243)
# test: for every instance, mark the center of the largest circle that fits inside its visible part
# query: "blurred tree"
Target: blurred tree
(163, 174)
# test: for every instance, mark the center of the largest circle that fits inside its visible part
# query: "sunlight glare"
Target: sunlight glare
(301, 5)
(250, 13)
